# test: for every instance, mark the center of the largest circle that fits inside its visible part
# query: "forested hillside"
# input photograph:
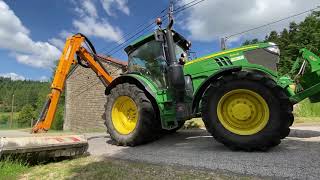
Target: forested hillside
(25, 92)
(29, 97)
(305, 34)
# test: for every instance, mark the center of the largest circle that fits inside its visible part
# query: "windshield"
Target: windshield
(149, 60)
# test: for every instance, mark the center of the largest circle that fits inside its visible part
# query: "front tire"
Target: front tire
(130, 116)
(247, 111)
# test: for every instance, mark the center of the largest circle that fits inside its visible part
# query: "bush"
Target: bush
(11, 168)
(192, 124)
(4, 119)
(26, 115)
(307, 109)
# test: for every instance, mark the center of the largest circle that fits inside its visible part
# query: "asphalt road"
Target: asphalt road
(297, 157)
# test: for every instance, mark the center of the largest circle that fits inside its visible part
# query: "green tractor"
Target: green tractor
(238, 94)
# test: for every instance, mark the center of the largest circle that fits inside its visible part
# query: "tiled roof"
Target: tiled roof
(112, 60)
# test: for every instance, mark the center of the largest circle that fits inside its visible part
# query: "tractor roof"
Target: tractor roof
(178, 38)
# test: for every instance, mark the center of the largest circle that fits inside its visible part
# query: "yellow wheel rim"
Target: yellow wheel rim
(124, 115)
(243, 112)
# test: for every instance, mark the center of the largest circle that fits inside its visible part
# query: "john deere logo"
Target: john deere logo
(237, 58)
(312, 58)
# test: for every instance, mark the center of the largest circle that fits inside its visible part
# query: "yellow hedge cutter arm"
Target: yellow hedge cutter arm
(53, 145)
(73, 47)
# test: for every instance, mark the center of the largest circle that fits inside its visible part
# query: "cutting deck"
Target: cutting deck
(42, 145)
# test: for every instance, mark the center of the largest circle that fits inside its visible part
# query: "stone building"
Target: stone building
(85, 98)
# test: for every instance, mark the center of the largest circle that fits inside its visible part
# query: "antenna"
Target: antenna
(223, 44)
(170, 14)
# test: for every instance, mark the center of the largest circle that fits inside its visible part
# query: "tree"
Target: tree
(305, 34)
(253, 41)
(26, 115)
(4, 118)
(273, 37)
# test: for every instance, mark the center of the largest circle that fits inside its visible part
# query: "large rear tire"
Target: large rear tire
(247, 111)
(130, 116)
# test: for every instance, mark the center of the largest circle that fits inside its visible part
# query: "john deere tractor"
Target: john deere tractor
(238, 94)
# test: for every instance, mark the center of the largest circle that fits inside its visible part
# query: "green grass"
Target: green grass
(193, 123)
(11, 169)
(102, 168)
(307, 109)
(8, 116)
(15, 114)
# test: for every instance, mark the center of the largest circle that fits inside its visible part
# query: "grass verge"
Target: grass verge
(11, 169)
(194, 123)
(101, 168)
(307, 109)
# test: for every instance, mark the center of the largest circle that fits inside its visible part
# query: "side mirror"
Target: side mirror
(159, 35)
(182, 59)
(189, 44)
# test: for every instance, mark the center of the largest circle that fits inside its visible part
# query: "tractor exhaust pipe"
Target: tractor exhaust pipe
(175, 70)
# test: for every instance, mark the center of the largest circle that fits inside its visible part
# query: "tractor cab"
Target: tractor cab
(148, 57)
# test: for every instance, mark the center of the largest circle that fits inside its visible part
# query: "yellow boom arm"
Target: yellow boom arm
(72, 47)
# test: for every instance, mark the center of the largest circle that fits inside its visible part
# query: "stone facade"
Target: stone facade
(85, 98)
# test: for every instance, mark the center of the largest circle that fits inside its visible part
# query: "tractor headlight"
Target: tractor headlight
(273, 48)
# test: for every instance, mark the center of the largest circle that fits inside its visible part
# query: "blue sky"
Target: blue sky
(32, 32)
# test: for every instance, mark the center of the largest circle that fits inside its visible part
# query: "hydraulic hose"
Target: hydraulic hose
(90, 46)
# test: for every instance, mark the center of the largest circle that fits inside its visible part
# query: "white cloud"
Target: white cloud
(121, 5)
(57, 42)
(64, 34)
(15, 38)
(90, 8)
(214, 19)
(44, 79)
(90, 24)
(13, 76)
(93, 27)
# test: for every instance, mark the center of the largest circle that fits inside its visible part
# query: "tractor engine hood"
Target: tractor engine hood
(264, 54)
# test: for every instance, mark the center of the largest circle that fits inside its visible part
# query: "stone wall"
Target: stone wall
(85, 99)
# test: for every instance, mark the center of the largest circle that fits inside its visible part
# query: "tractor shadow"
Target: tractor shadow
(303, 133)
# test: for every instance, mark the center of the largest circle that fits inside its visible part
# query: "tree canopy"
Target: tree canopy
(305, 34)
(24, 92)
(29, 97)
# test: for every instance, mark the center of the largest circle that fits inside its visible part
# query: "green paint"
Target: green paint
(308, 83)
(202, 68)
(164, 101)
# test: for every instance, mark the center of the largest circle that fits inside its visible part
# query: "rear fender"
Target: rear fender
(133, 79)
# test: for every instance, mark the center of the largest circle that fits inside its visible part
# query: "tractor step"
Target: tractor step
(43, 146)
